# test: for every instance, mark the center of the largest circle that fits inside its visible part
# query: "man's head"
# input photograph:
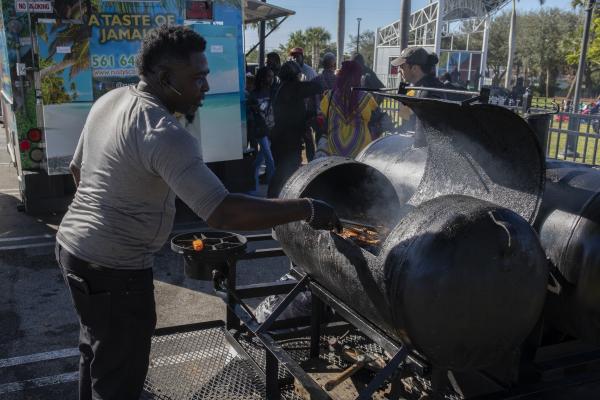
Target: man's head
(171, 61)
(359, 59)
(264, 78)
(415, 63)
(329, 62)
(297, 54)
(290, 72)
(274, 62)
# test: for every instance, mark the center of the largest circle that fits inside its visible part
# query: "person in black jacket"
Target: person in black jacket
(290, 123)
(418, 68)
(369, 78)
(260, 121)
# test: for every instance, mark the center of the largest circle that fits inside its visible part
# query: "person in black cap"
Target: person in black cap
(417, 67)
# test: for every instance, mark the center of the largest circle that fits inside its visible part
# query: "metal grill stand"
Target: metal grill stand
(257, 368)
(238, 313)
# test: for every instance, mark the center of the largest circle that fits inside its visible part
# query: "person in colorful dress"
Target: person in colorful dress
(346, 115)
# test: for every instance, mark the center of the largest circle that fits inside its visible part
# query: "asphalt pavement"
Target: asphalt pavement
(39, 328)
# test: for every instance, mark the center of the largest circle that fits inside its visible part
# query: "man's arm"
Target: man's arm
(240, 212)
(75, 165)
(177, 160)
(308, 89)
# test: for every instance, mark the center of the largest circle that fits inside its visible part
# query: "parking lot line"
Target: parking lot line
(27, 246)
(39, 382)
(37, 357)
(74, 376)
(18, 238)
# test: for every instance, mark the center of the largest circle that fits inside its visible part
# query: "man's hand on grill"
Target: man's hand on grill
(323, 217)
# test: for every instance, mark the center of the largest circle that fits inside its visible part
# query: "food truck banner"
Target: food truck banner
(4, 62)
(81, 62)
(116, 39)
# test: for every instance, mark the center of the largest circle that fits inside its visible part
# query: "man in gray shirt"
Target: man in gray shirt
(132, 159)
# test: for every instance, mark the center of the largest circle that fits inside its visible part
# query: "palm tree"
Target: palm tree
(77, 35)
(318, 38)
(295, 39)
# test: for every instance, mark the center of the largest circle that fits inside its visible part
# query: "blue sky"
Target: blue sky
(374, 13)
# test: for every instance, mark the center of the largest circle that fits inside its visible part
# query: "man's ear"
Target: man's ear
(162, 75)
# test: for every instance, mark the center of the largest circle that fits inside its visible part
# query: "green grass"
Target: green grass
(585, 145)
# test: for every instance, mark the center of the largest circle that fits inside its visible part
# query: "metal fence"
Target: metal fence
(571, 136)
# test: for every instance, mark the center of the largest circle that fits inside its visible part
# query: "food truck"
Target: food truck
(59, 56)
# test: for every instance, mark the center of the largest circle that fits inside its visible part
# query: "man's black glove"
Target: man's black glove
(323, 216)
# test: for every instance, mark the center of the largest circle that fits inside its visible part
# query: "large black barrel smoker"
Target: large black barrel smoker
(569, 229)
(568, 224)
(445, 260)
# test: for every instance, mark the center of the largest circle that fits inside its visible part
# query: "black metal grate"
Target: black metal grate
(199, 365)
(299, 349)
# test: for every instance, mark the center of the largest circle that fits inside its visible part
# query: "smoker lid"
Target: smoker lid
(480, 150)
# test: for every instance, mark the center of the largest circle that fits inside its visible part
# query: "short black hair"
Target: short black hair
(359, 59)
(289, 71)
(274, 55)
(167, 41)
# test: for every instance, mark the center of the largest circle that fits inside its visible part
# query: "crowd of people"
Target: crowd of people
(291, 108)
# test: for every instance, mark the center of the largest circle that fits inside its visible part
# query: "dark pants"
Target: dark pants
(117, 317)
(286, 163)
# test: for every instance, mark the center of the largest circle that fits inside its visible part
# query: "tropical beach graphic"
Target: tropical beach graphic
(66, 90)
(219, 121)
(79, 62)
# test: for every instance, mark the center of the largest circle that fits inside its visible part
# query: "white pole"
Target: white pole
(438, 28)
(375, 50)
(511, 45)
(341, 31)
(484, 49)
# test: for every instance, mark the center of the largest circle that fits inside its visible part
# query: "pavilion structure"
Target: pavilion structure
(456, 30)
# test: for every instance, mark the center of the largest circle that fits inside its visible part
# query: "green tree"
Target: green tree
(498, 46)
(317, 38)
(539, 45)
(366, 46)
(540, 48)
(572, 44)
(295, 39)
(253, 56)
(53, 87)
(315, 41)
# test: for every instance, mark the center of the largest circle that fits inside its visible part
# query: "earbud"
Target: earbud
(172, 88)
